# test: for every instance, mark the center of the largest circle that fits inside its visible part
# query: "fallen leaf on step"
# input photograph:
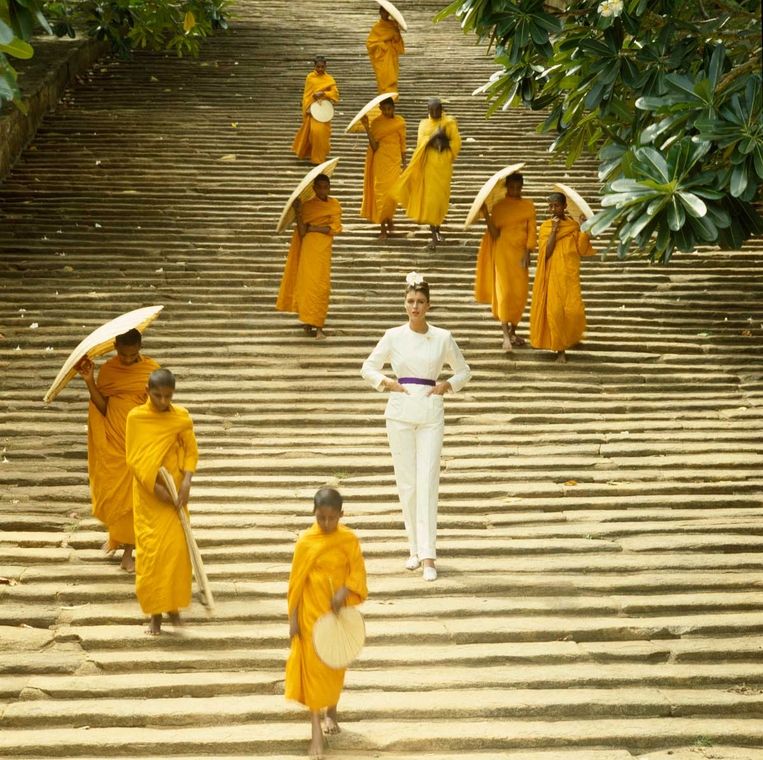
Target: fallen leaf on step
(228, 157)
(570, 482)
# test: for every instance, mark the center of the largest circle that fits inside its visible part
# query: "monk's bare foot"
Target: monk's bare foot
(315, 748)
(382, 235)
(319, 334)
(432, 245)
(175, 619)
(507, 345)
(154, 626)
(517, 341)
(128, 562)
(561, 357)
(108, 548)
(330, 724)
(309, 330)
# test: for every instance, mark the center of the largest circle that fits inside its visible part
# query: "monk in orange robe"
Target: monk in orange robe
(313, 140)
(327, 572)
(385, 159)
(503, 260)
(306, 282)
(121, 386)
(385, 46)
(423, 189)
(557, 314)
(160, 434)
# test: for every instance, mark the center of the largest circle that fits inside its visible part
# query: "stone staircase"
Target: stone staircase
(601, 568)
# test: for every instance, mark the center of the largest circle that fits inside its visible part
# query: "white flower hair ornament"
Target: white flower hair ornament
(413, 279)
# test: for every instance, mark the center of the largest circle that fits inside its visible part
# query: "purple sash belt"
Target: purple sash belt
(415, 381)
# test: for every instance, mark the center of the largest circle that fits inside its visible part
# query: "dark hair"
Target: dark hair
(320, 177)
(387, 102)
(421, 287)
(327, 497)
(557, 197)
(515, 177)
(161, 378)
(130, 338)
(317, 58)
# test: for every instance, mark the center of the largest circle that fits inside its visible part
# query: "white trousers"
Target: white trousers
(416, 458)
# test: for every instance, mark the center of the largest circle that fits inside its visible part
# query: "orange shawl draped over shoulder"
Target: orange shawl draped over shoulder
(162, 565)
(306, 282)
(383, 167)
(323, 563)
(313, 140)
(557, 314)
(500, 279)
(423, 189)
(124, 387)
(385, 46)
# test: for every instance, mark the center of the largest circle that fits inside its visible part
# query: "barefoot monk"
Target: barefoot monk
(121, 386)
(160, 434)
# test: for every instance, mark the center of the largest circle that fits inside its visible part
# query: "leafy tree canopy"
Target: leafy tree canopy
(178, 25)
(667, 94)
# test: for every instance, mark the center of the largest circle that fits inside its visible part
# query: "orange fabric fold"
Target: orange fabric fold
(557, 313)
(162, 565)
(306, 282)
(313, 139)
(385, 46)
(383, 166)
(323, 563)
(124, 387)
(500, 279)
(423, 189)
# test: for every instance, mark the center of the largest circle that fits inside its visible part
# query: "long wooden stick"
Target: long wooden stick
(193, 549)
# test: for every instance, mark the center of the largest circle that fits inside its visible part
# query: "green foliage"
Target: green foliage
(667, 93)
(154, 24)
(18, 21)
(177, 25)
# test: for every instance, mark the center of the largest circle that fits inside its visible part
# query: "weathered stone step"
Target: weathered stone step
(468, 703)
(388, 735)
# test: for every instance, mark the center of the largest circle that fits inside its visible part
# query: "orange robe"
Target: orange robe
(500, 279)
(383, 167)
(306, 282)
(313, 140)
(322, 564)
(162, 563)
(385, 46)
(557, 314)
(423, 189)
(124, 387)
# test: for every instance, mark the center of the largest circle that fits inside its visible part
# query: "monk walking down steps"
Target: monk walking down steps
(557, 313)
(327, 572)
(160, 434)
(120, 386)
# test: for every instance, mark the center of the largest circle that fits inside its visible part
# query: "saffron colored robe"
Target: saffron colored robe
(162, 564)
(322, 564)
(385, 46)
(383, 167)
(557, 314)
(423, 189)
(500, 279)
(313, 140)
(306, 282)
(124, 387)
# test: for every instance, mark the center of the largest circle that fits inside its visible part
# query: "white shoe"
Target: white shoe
(412, 563)
(429, 573)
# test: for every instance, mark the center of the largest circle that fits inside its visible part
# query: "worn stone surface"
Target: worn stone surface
(601, 574)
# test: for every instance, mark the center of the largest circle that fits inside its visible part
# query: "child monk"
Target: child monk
(327, 572)
(160, 434)
(120, 386)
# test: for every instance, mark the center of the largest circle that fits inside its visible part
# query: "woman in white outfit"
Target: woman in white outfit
(417, 352)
